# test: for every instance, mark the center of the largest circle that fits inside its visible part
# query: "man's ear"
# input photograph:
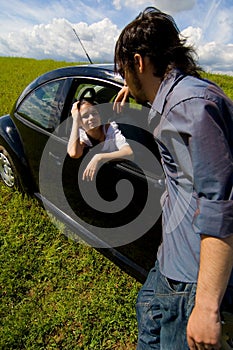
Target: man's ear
(139, 62)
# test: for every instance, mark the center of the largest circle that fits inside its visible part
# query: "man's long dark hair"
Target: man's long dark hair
(154, 34)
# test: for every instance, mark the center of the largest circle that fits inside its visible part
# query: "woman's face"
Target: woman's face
(90, 117)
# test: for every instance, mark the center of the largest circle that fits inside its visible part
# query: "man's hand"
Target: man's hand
(120, 99)
(216, 261)
(204, 329)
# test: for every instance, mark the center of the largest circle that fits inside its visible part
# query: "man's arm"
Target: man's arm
(216, 262)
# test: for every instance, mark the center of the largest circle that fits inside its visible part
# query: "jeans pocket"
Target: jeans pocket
(176, 286)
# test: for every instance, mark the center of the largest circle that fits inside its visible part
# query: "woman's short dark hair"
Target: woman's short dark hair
(154, 34)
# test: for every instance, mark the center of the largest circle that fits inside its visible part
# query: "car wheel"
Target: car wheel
(8, 172)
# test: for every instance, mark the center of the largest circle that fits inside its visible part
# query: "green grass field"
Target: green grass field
(57, 293)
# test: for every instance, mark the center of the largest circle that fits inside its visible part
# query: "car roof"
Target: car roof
(100, 71)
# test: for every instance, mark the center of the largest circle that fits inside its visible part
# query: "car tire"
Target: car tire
(8, 172)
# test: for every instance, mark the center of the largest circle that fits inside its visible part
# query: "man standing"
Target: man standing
(179, 307)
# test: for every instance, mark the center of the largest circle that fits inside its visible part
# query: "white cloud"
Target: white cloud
(175, 5)
(117, 4)
(164, 5)
(30, 29)
(222, 26)
(193, 35)
(18, 14)
(57, 40)
(215, 56)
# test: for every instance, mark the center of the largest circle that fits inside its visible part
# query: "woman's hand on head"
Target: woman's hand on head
(75, 111)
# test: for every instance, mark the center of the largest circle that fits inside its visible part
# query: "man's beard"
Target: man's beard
(139, 95)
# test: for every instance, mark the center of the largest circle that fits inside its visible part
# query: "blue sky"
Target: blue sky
(43, 28)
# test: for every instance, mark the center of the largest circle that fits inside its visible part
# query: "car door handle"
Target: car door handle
(56, 158)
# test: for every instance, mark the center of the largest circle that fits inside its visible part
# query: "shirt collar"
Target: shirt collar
(165, 87)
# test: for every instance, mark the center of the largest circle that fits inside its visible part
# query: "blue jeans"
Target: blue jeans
(163, 309)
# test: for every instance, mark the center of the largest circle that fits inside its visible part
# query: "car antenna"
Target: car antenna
(82, 46)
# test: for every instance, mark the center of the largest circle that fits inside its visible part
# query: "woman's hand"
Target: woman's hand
(75, 147)
(120, 99)
(92, 167)
(75, 111)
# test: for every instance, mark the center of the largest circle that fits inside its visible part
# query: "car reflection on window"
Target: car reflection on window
(41, 106)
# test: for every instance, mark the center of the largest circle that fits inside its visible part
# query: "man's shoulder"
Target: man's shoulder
(177, 89)
(192, 87)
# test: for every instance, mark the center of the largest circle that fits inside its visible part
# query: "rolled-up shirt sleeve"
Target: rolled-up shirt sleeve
(212, 163)
(215, 218)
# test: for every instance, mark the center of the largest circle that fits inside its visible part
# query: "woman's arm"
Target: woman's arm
(124, 153)
(75, 147)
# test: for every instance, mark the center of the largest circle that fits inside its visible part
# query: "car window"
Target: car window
(42, 106)
(132, 121)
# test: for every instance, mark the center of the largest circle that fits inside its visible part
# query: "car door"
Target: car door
(121, 208)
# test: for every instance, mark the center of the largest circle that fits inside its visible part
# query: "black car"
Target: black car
(119, 212)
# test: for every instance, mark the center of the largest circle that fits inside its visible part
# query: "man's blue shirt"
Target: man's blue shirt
(192, 122)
